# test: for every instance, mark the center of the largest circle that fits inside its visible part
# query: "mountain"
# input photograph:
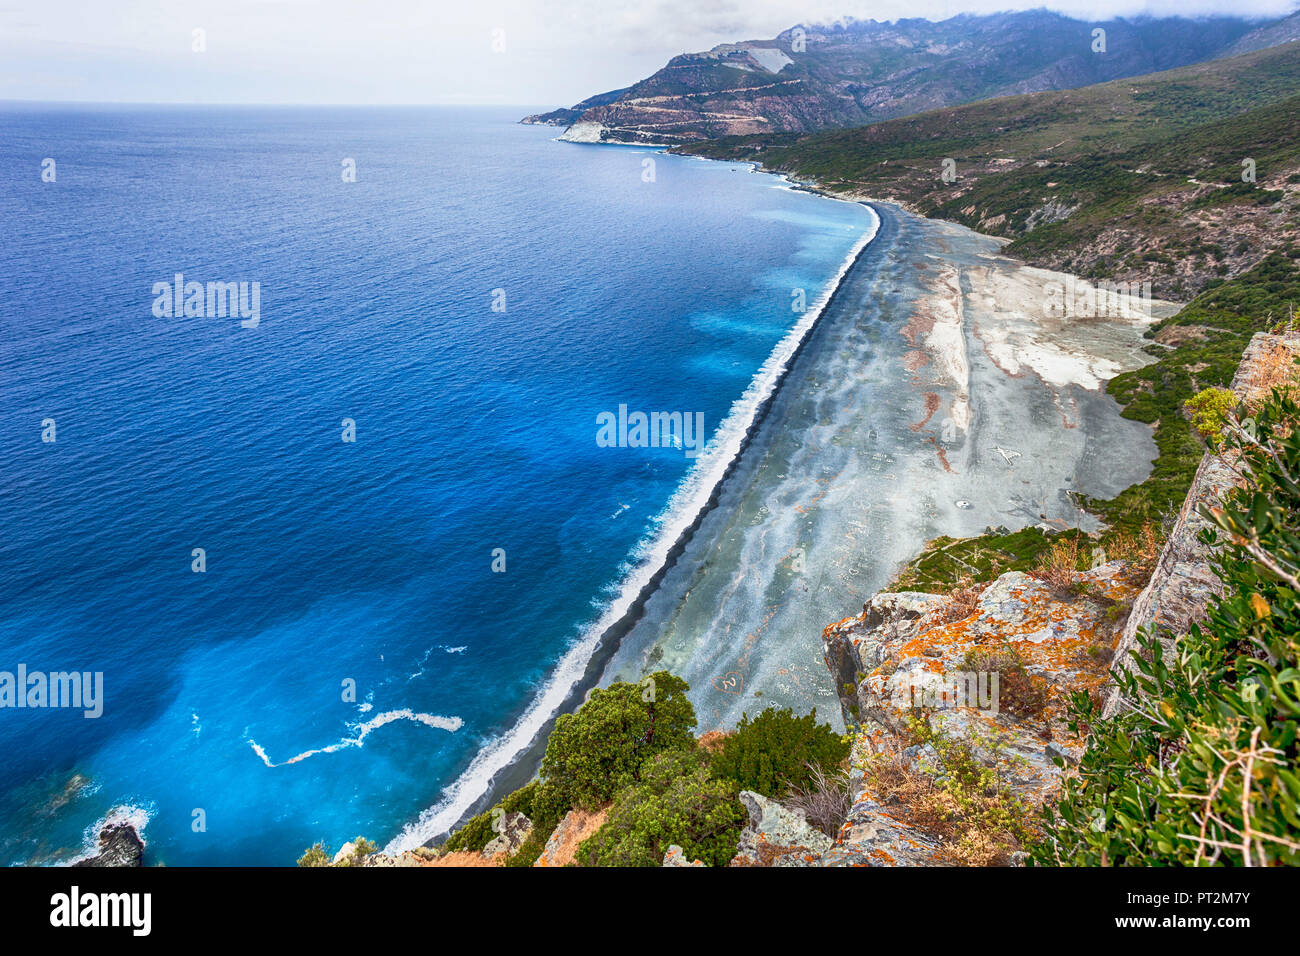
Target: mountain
(1132, 180)
(859, 72)
(567, 117)
(1275, 33)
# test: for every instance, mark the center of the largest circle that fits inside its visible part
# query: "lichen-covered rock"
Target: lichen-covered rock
(885, 617)
(420, 856)
(676, 856)
(872, 837)
(995, 675)
(515, 828)
(562, 845)
(777, 835)
(1063, 638)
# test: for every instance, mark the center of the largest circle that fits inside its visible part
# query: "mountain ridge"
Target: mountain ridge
(1139, 179)
(856, 72)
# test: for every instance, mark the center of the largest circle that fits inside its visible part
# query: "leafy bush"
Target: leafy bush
(776, 752)
(593, 754)
(675, 801)
(1199, 767)
(589, 756)
(1209, 409)
(316, 855)
(545, 808)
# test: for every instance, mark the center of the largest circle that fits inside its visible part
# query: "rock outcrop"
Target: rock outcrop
(993, 673)
(1183, 582)
(777, 835)
(119, 845)
(676, 856)
(515, 828)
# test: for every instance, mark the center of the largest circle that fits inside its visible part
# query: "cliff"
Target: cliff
(1183, 581)
(941, 684)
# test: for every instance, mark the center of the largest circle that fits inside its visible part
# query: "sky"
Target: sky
(527, 52)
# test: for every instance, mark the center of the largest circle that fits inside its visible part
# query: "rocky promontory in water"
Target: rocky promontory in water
(119, 845)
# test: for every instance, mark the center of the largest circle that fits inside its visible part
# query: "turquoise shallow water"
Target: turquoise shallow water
(331, 561)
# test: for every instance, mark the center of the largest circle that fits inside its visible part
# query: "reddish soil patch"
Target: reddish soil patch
(931, 406)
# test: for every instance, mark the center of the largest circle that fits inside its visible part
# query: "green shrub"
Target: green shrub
(316, 855)
(593, 754)
(473, 836)
(589, 756)
(546, 807)
(532, 800)
(775, 752)
(676, 801)
(1199, 768)
(1209, 409)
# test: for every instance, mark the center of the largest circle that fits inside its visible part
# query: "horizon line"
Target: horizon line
(182, 103)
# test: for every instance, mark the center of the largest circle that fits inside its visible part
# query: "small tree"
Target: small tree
(316, 855)
(593, 754)
(1209, 409)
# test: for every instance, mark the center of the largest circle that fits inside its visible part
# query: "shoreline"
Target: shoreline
(601, 653)
(600, 641)
(942, 353)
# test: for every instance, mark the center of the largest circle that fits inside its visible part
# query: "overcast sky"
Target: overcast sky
(556, 52)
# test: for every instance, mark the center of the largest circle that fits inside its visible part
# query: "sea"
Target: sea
(304, 450)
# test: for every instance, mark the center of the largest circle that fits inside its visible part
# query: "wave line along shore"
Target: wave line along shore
(507, 761)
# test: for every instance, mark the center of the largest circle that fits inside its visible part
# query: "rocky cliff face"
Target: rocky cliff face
(1183, 581)
(859, 72)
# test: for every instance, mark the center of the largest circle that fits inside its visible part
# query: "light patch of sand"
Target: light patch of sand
(943, 326)
(1022, 328)
(1053, 364)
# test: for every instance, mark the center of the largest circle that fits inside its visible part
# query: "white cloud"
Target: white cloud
(416, 51)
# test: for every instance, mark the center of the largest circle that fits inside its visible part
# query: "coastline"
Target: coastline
(889, 432)
(517, 756)
(613, 650)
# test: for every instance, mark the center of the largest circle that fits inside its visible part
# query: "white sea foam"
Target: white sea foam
(690, 498)
(363, 730)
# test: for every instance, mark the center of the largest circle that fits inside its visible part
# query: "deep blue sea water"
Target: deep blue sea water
(329, 561)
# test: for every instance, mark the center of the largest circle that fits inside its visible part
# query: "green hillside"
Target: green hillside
(1132, 180)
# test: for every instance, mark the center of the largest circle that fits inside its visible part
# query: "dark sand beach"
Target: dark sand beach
(936, 396)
